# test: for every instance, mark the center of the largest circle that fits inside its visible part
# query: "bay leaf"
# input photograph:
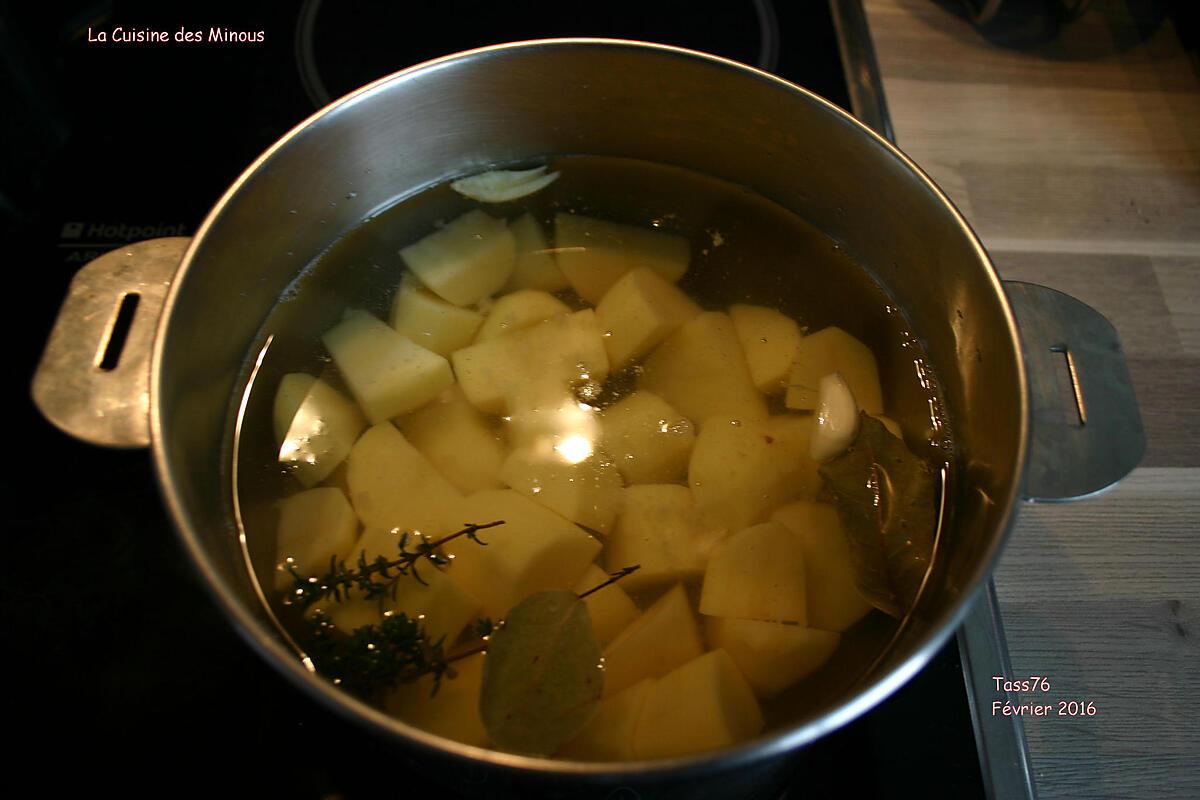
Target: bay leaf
(887, 500)
(542, 676)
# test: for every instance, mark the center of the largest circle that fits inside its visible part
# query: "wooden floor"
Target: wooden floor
(1079, 167)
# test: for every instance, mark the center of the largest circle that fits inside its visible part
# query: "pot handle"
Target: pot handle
(1086, 433)
(93, 381)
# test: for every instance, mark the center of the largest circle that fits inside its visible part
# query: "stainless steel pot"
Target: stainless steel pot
(516, 102)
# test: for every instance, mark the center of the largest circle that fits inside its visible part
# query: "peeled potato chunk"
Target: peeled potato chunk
(740, 471)
(833, 350)
(453, 712)
(459, 441)
(772, 655)
(294, 388)
(649, 440)
(665, 636)
(388, 374)
(660, 529)
(536, 266)
(422, 317)
(834, 602)
(313, 526)
(586, 491)
(608, 735)
(610, 609)
(466, 260)
(700, 369)
(640, 310)
(518, 310)
(393, 486)
(702, 705)
(534, 550)
(440, 602)
(315, 426)
(769, 339)
(549, 420)
(560, 352)
(593, 253)
(337, 479)
(757, 573)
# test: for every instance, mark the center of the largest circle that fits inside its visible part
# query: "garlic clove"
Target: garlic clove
(836, 420)
(503, 185)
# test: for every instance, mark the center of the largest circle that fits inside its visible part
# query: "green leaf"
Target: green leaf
(887, 501)
(542, 676)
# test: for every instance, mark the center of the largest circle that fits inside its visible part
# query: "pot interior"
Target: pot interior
(514, 104)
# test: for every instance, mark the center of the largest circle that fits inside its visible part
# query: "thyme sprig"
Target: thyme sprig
(379, 577)
(613, 577)
(373, 658)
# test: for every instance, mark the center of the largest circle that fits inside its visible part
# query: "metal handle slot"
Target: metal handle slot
(109, 354)
(1072, 395)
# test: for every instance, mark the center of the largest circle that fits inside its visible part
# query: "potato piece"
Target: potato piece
(485, 370)
(662, 638)
(444, 605)
(440, 602)
(534, 550)
(549, 421)
(422, 317)
(772, 655)
(593, 253)
(536, 266)
(608, 735)
(294, 388)
(466, 260)
(587, 491)
(740, 472)
(387, 374)
(463, 445)
(757, 573)
(558, 352)
(313, 526)
(660, 529)
(453, 712)
(640, 310)
(836, 422)
(833, 350)
(393, 486)
(649, 440)
(315, 426)
(518, 310)
(337, 479)
(610, 609)
(769, 339)
(834, 602)
(702, 705)
(700, 370)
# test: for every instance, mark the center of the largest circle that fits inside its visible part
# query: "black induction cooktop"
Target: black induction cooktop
(122, 675)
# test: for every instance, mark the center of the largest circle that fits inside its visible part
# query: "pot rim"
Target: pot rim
(769, 744)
